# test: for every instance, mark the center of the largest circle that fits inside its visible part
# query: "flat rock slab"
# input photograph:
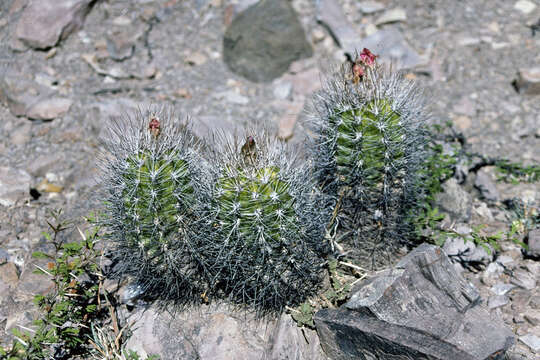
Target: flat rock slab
(264, 40)
(46, 22)
(421, 309)
(217, 333)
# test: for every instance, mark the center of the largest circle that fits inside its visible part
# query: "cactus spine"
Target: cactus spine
(154, 183)
(369, 127)
(268, 226)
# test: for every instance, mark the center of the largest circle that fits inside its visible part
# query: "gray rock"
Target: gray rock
(533, 317)
(390, 46)
(505, 260)
(264, 40)
(232, 97)
(4, 256)
(217, 333)
(465, 106)
(48, 109)
(120, 46)
(244, 4)
(531, 341)
(331, 15)
(455, 201)
(19, 93)
(287, 342)
(466, 251)
(492, 273)
(14, 185)
(390, 16)
(501, 288)
(282, 90)
(523, 279)
(533, 243)
(515, 356)
(369, 7)
(9, 274)
(496, 301)
(525, 6)
(46, 22)
(528, 81)
(131, 293)
(204, 126)
(421, 309)
(486, 186)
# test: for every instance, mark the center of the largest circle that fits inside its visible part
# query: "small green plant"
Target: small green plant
(516, 172)
(72, 305)
(106, 345)
(332, 296)
(339, 290)
(303, 315)
(524, 217)
(76, 306)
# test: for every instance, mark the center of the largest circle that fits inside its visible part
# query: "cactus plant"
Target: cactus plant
(154, 187)
(369, 154)
(268, 225)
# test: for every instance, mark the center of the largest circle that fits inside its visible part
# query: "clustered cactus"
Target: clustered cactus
(369, 153)
(245, 221)
(240, 223)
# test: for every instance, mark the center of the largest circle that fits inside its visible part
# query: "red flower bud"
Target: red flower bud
(154, 126)
(367, 57)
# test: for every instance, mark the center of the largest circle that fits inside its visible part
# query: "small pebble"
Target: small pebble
(525, 6)
(390, 16)
(369, 7)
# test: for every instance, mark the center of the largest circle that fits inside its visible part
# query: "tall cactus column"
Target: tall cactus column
(369, 155)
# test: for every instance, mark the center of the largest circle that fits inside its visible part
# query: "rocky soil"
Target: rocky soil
(66, 71)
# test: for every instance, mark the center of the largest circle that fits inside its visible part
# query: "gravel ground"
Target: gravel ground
(471, 51)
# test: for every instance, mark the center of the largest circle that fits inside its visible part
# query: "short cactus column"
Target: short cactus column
(154, 186)
(269, 227)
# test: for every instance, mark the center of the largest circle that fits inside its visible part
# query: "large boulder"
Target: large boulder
(421, 309)
(264, 40)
